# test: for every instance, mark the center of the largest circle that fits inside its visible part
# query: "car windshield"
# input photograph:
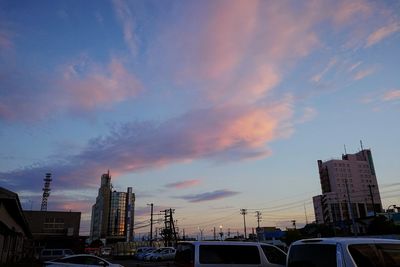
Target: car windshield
(315, 255)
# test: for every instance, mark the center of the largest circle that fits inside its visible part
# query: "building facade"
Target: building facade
(15, 235)
(349, 189)
(54, 229)
(113, 213)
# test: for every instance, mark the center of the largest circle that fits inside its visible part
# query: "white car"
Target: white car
(80, 260)
(228, 253)
(141, 255)
(344, 252)
(165, 253)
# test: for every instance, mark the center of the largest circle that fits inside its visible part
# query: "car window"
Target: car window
(57, 252)
(316, 255)
(274, 255)
(365, 255)
(390, 254)
(229, 254)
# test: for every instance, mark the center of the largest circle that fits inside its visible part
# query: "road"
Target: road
(136, 263)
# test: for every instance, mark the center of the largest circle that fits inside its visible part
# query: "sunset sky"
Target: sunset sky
(206, 107)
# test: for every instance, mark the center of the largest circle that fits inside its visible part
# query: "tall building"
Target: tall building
(349, 182)
(113, 213)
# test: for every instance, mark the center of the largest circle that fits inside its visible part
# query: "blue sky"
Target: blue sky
(206, 107)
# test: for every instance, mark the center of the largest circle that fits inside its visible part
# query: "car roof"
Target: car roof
(235, 243)
(345, 241)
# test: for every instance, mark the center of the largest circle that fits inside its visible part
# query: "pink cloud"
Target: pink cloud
(347, 11)
(222, 133)
(382, 33)
(97, 87)
(184, 184)
(391, 95)
(81, 86)
(5, 39)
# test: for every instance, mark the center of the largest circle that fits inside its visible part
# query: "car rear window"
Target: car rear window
(390, 254)
(316, 255)
(365, 255)
(229, 254)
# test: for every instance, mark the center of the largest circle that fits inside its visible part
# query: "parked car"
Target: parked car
(165, 253)
(344, 252)
(52, 254)
(105, 251)
(141, 254)
(80, 260)
(224, 253)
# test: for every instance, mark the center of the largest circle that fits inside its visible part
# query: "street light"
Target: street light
(220, 231)
(390, 214)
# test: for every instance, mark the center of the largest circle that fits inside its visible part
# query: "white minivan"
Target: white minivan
(226, 253)
(344, 252)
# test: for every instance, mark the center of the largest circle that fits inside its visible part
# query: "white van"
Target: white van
(344, 252)
(52, 254)
(225, 253)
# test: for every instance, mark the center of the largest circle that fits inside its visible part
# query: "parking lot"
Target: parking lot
(136, 263)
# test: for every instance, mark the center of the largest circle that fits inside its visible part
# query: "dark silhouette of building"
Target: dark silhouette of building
(14, 230)
(54, 229)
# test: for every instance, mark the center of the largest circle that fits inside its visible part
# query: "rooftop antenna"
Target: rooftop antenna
(361, 145)
(46, 191)
(345, 151)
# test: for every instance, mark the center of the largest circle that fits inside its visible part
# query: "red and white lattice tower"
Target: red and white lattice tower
(46, 191)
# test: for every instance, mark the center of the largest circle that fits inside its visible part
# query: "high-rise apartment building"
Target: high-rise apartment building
(349, 182)
(113, 213)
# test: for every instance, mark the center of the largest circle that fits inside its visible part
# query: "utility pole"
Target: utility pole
(372, 198)
(215, 234)
(258, 215)
(351, 209)
(244, 212)
(305, 213)
(151, 225)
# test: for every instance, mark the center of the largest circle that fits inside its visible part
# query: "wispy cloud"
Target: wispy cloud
(354, 66)
(364, 73)
(382, 33)
(184, 184)
(208, 196)
(125, 16)
(317, 77)
(309, 113)
(391, 95)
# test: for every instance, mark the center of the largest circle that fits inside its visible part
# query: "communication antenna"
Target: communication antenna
(361, 145)
(345, 151)
(46, 191)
